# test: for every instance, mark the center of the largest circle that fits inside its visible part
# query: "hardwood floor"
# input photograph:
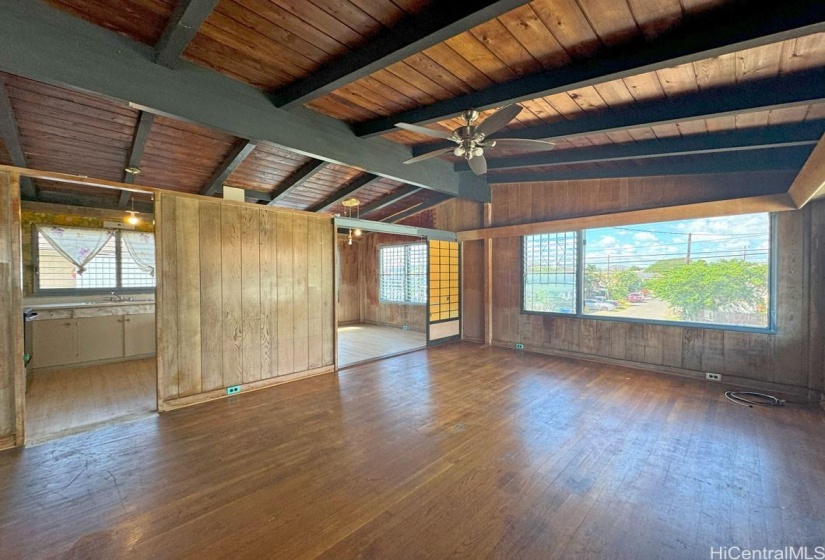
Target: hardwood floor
(67, 401)
(364, 342)
(457, 451)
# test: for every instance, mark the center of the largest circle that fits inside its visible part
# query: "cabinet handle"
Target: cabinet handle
(127, 320)
(67, 324)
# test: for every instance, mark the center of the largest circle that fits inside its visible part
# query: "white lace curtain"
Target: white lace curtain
(77, 245)
(141, 247)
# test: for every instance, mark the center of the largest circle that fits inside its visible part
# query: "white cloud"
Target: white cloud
(644, 237)
(607, 242)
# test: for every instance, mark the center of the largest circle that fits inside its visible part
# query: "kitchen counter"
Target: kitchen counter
(71, 310)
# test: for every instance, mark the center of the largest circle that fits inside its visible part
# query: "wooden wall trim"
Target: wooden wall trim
(488, 278)
(810, 183)
(7, 442)
(182, 402)
(12, 375)
(16, 319)
(748, 205)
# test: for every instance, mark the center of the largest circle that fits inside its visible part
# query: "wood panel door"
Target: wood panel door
(444, 310)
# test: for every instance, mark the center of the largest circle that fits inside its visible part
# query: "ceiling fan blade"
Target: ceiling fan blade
(499, 119)
(478, 164)
(425, 131)
(428, 155)
(524, 144)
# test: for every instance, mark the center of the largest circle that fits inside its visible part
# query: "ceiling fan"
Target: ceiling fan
(472, 138)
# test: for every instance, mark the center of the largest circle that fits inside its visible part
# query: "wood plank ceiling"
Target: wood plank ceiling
(271, 44)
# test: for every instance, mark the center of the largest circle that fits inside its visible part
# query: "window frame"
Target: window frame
(424, 244)
(773, 261)
(47, 292)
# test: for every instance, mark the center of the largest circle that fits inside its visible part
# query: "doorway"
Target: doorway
(88, 299)
(382, 296)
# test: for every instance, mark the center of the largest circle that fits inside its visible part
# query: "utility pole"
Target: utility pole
(687, 257)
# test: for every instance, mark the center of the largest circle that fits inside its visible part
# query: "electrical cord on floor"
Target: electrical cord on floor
(761, 399)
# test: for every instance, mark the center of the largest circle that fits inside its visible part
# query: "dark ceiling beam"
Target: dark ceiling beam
(733, 27)
(257, 196)
(239, 153)
(182, 27)
(802, 88)
(419, 32)
(304, 174)
(396, 229)
(763, 138)
(45, 44)
(90, 201)
(399, 194)
(358, 183)
(144, 126)
(10, 135)
(437, 198)
(732, 162)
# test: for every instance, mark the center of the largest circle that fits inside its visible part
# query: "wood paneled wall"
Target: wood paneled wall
(245, 296)
(538, 202)
(11, 315)
(374, 310)
(794, 357)
(350, 290)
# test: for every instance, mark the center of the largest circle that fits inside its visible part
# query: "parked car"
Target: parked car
(596, 305)
(635, 297)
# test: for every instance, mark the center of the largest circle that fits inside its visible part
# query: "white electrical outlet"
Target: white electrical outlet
(713, 376)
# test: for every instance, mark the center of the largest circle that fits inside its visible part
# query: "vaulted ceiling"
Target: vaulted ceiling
(296, 101)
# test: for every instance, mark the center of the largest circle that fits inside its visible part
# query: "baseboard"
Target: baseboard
(173, 404)
(7, 442)
(727, 379)
(393, 326)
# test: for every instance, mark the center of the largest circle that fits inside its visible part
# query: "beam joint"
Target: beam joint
(182, 27)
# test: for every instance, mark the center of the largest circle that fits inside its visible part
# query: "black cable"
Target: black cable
(766, 400)
(738, 397)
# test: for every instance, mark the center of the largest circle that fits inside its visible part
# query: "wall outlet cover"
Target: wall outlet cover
(713, 376)
(519, 346)
(234, 390)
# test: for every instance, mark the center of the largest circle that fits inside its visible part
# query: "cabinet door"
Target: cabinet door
(54, 343)
(100, 338)
(139, 334)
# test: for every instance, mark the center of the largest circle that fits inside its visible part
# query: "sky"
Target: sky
(725, 237)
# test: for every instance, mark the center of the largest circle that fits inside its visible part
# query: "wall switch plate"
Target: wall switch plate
(519, 346)
(234, 390)
(713, 377)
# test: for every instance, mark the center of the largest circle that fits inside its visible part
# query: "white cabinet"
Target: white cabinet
(54, 342)
(139, 334)
(64, 342)
(99, 338)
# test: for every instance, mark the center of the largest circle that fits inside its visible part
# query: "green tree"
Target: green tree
(622, 282)
(660, 267)
(725, 285)
(595, 281)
